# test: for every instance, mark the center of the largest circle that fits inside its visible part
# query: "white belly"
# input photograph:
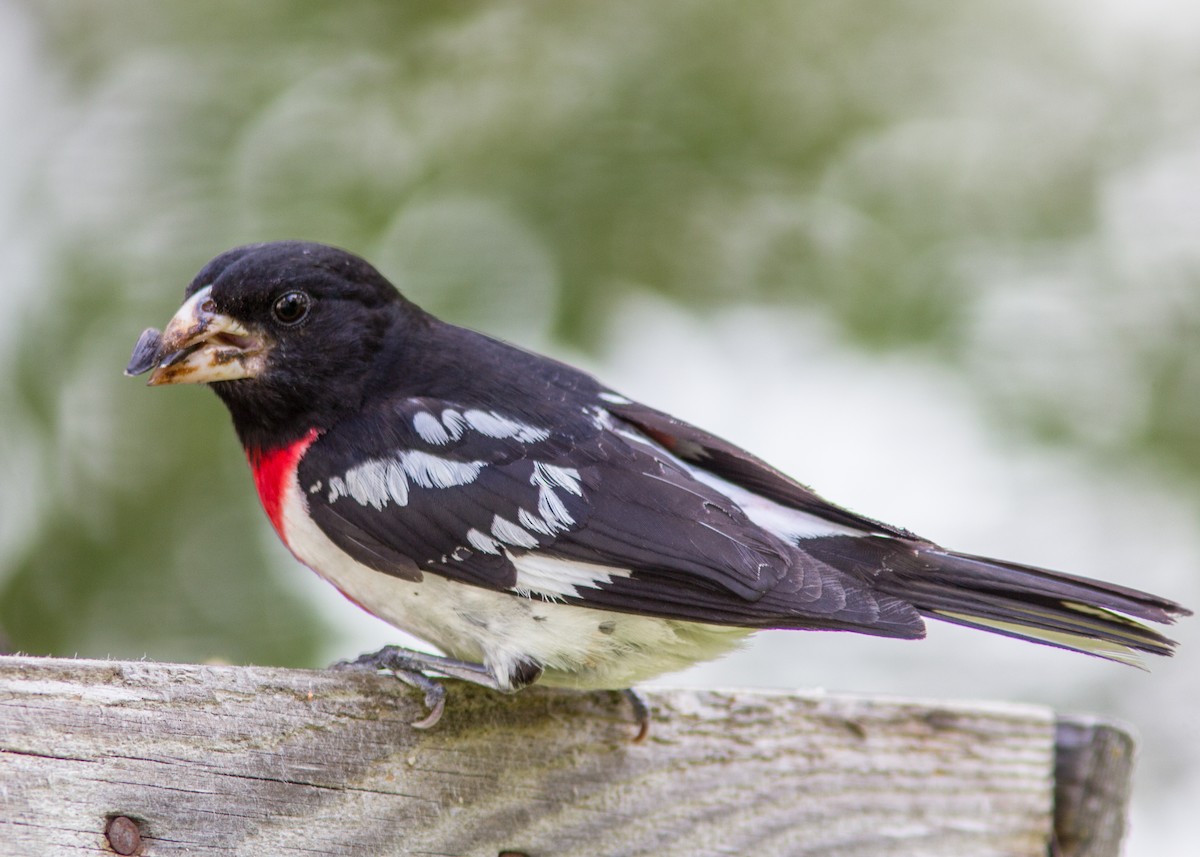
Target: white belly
(576, 646)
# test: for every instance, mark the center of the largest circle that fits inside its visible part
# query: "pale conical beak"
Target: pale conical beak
(199, 346)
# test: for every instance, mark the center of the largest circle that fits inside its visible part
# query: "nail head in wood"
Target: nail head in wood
(123, 835)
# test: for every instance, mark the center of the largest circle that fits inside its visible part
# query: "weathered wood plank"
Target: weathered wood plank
(1093, 775)
(288, 762)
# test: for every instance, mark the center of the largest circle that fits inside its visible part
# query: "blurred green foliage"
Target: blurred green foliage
(949, 176)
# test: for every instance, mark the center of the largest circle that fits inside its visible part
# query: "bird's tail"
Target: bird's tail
(1034, 604)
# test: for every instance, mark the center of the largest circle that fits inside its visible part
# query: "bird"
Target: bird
(536, 526)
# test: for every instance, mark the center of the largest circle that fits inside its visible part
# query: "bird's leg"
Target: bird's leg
(641, 712)
(396, 657)
(409, 666)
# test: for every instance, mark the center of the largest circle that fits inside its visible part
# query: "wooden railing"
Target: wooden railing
(167, 759)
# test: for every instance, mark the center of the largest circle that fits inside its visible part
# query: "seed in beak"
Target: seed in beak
(146, 353)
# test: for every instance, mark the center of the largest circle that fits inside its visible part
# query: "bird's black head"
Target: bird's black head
(285, 333)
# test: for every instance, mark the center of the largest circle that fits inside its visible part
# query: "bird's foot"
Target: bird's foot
(410, 666)
(641, 712)
(435, 696)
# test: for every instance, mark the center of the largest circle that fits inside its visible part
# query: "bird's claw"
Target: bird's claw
(392, 659)
(361, 663)
(435, 696)
(641, 712)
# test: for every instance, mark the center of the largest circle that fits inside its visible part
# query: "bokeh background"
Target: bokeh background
(938, 259)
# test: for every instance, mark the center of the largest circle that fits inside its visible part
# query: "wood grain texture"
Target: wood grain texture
(237, 760)
(1093, 775)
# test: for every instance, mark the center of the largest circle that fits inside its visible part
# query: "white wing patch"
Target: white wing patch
(552, 578)
(506, 531)
(492, 424)
(439, 432)
(482, 543)
(550, 518)
(548, 476)
(431, 429)
(533, 522)
(552, 515)
(389, 480)
(367, 484)
(452, 424)
(430, 471)
(381, 481)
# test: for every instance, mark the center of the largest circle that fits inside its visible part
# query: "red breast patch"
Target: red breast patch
(273, 469)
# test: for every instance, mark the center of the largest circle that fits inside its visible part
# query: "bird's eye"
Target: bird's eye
(292, 307)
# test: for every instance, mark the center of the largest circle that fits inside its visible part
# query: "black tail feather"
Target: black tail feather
(1034, 604)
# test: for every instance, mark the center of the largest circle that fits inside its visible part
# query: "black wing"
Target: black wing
(736, 465)
(583, 511)
(1016, 600)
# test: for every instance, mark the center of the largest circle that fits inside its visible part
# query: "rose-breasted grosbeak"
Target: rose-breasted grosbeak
(534, 524)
